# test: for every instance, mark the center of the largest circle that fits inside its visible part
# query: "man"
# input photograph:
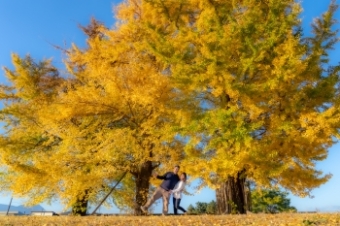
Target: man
(170, 179)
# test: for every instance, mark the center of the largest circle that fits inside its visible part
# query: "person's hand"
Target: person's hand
(155, 175)
(170, 191)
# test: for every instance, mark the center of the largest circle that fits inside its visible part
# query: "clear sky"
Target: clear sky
(35, 26)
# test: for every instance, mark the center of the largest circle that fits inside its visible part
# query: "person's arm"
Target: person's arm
(161, 177)
(179, 188)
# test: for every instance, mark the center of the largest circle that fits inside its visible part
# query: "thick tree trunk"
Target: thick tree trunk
(231, 197)
(221, 199)
(142, 186)
(80, 207)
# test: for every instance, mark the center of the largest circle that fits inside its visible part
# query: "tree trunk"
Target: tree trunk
(80, 207)
(142, 186)
(231, 197)
(248, 197)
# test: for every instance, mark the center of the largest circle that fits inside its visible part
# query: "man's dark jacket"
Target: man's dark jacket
(170, 180)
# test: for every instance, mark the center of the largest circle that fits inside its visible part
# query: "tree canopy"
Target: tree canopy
(268, 95)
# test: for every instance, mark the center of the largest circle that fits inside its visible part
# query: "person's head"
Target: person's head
(176, 169)
(183, 177)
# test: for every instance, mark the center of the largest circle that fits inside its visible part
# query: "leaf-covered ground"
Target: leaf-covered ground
(254, 219)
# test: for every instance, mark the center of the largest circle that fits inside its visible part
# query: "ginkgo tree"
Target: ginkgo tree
(269, 97)
(43, 158)
(132, 92)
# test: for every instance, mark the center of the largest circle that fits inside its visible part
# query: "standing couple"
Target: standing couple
(172, 184)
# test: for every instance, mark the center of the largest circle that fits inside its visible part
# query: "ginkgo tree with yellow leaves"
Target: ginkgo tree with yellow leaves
(269, 97)
(129, 89)
(45, 156)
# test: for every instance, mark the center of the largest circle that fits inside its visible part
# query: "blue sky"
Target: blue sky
(35, 26)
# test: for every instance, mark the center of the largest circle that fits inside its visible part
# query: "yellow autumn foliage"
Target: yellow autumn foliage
(293, 219)
(221, 87)
(269, 99)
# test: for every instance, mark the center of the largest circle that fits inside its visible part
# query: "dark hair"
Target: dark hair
(185, 175)
(177, 166)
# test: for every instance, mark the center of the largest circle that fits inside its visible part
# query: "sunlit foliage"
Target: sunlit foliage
(269, 97)
(235, 81)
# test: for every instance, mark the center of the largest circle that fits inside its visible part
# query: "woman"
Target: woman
(177, 193)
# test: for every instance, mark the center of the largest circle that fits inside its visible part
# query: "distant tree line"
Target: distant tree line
(203, 208)
(262, 201)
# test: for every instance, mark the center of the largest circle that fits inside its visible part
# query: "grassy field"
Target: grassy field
(254, 219)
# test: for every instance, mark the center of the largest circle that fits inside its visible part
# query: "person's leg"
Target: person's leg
(156, 195)
(174, 200)
(178, 202)
(166, 197)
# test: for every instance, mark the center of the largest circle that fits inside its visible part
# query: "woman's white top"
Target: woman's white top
(178, 189)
